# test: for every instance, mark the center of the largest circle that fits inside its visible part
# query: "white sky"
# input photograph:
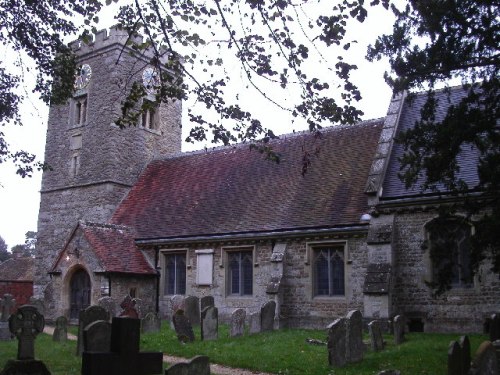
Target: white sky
(20, 198)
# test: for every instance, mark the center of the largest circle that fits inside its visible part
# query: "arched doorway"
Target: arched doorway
(79, 297)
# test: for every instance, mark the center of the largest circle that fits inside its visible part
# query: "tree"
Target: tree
(28, 248)
(432, 42)
(4, 254)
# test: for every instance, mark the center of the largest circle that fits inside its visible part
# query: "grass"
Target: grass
(278, 352)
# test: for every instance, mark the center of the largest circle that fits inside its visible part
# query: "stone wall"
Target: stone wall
(144, 289)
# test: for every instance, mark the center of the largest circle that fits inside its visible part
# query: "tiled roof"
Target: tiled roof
(467, 159)
(115, 247)
(234, 190)
(17, 269)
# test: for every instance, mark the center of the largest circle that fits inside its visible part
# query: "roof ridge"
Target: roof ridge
(91, 224)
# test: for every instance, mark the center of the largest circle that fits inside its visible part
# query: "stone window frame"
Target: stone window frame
(227, 252)
(430, 268)
(310, 263)
(79, 110)
(75, 163)
(163, 279)
(150, 118)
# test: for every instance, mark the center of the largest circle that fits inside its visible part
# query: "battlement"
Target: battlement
(103, 38)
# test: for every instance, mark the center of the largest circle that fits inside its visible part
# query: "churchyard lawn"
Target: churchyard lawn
(279, 352)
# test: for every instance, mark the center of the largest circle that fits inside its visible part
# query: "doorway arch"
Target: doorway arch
(79, 293)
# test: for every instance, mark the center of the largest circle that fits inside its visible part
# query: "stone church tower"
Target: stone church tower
(94, 162)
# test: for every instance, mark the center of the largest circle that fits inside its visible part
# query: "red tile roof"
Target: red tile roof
(233, 190)
(115, 247)
(17, 269)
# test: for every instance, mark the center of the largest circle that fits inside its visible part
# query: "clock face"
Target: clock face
(151, 80)
(83, 75)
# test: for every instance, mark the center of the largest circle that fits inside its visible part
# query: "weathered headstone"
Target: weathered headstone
(124, 357)
(128, 308)
(87, 316)
(176, 303)
(108, 304)
(61, 329)
(192, 309)
(210, 323)
(198, 365)
(151, 323)
(183, 327)
(485, 360)
(389, 372)
(466, 357)
(337, 332)
(494, 330)
(7, 303)
(254, 324)
(454, 359)
(267, 313)
(354, 339)
(206, 301)
(97, 337)
(238, 322)
(376, 338)
(399, 329)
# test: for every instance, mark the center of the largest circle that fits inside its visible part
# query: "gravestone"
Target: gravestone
(238, 322)
(7, 303)
(192, 310)
(354, 339)
(389, 372)
(183, 327)
(128, 308)
(337, 332)
(97, 337)
(267, 313)
(61, 330)
(176, 303)
(198, 365)
(485, 360)
(87, 316)
(494, 330)
(254, 325)
(210, 323)
(124, 357)
(376, 338)
(26, 323)
(151, 323)
(466, 357)
(399, 329)
(206, 301)
(108, 304)
(454, 359)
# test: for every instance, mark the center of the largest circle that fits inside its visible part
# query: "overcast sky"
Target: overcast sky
(20, 198)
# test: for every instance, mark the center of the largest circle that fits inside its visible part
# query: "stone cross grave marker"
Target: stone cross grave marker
(26, 324)
(376, 338)
(128, 308)
(267, 313)
(192, 309)
(97, 336)
(485, 360)
(61, 330)
(210, 323)
(254, 325)
(494, 330)
(7, 304)
(183, 327)
(87, 316)
(354, 345)
(399, 329)
(337, 332)
(238, 322)
(124, 357)
(151, 323)
(206, 301)
(198, 365)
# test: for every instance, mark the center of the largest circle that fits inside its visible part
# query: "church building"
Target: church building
(125, 212)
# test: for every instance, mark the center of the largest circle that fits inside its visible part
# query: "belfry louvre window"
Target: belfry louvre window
(175, 274)
(149, 118)
(240, 273)
(80, 110)
(328, 271)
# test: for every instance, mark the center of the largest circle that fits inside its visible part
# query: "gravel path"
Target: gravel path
(214, 368)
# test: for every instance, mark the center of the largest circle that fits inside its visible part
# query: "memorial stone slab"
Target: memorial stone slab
(108, 304)
(192, 309)
(376, 338)
(183, 327)
(494, 330)
(87, 316)
(61, 330)
(206, 301)
(7, 303)
(124, 357)
(399, 329)
(26, 324)
(254, 325)
(337, 332)
(354, 345)
(210, 323)
(198, 365)
(238, 323)
(267, 313)
(151, 323)
(97, 337)
(485, 360)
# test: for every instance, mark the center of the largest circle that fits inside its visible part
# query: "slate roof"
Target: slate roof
(17, 269)
(115, 248)
(234, 190)
(393, 187)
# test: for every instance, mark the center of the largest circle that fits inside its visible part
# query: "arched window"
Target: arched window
(328, 271)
